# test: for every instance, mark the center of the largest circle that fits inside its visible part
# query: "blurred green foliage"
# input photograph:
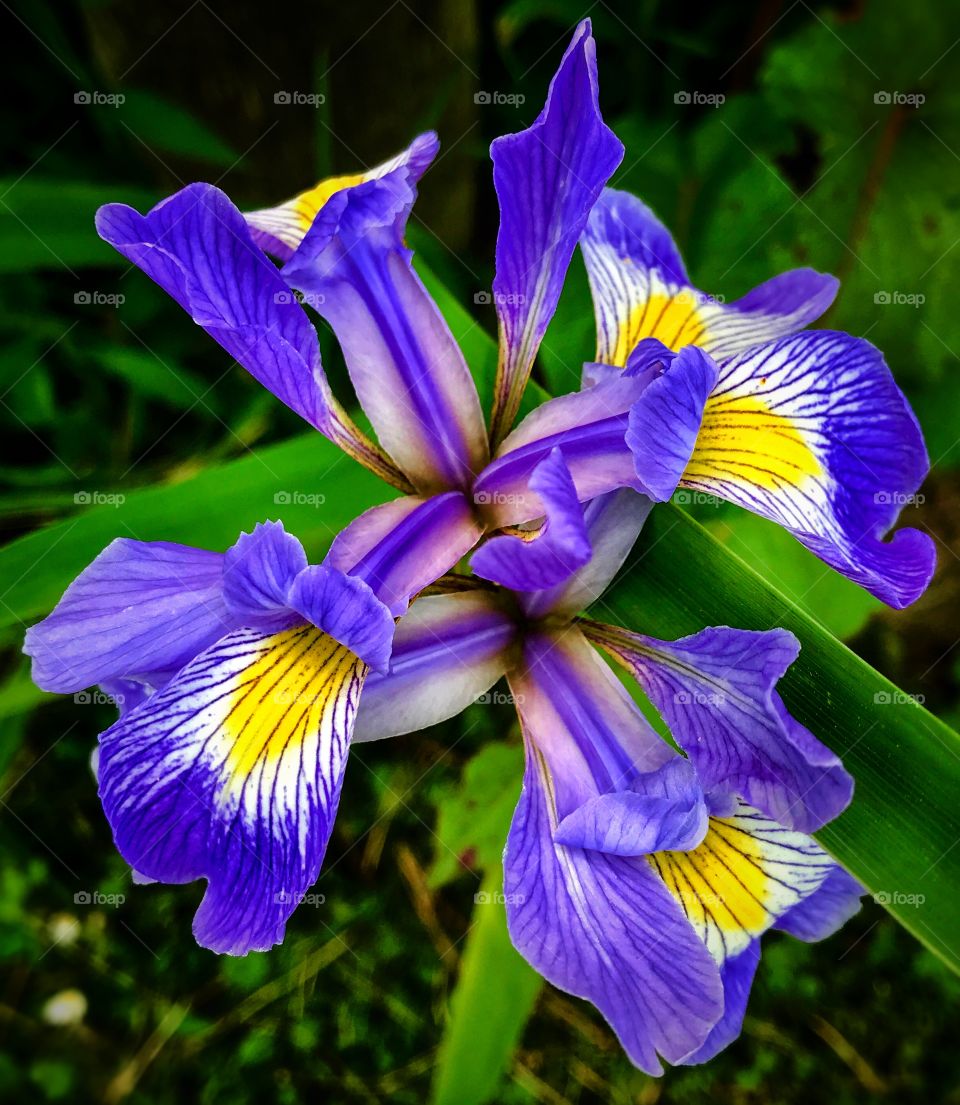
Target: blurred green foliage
(821, 152)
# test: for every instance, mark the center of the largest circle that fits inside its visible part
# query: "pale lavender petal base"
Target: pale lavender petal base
(448, 650)
(613, 522)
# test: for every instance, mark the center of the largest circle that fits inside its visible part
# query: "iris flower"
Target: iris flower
(343, 253)
(638, 874)
(238, 676)
(241, 672)
(807, 428)
(635, 875)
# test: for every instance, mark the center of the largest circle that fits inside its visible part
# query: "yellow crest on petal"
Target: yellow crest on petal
(307, 204)
(747, 872)
(677, 319)
(291, 691)
(742, 438)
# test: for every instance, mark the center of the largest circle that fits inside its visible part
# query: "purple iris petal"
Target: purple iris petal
(665, 421)
(663, 810)
(613, 522)
(197, 247)
(604, 927)
(746, 874)
(588, 728)
(232, 773)
(813, 432)
(258, 571)
(648, 359)
(346, 609)
(646, 362)
(280, 230)
(716, 692)
(820, 915)
(547, 179)
(587, 426)
(127, 694)
(568, 909)
(625, 225)
(737, 977)
(407, 369)
(403, 546)
(448, 650)
(549, 557)
(641, 290)
(141, 609)
(802, 294)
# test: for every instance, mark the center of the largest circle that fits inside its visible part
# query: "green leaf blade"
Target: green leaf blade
(494, 997)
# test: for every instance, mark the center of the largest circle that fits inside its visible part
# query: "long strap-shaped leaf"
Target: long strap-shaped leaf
(493, 999)
(306, 481)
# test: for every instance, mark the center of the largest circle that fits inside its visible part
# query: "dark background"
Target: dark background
(836, 144)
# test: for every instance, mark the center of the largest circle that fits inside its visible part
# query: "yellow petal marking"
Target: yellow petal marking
(722, 882)
(288, 692)
(675, 320)
(743, 439)
(308, 203)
